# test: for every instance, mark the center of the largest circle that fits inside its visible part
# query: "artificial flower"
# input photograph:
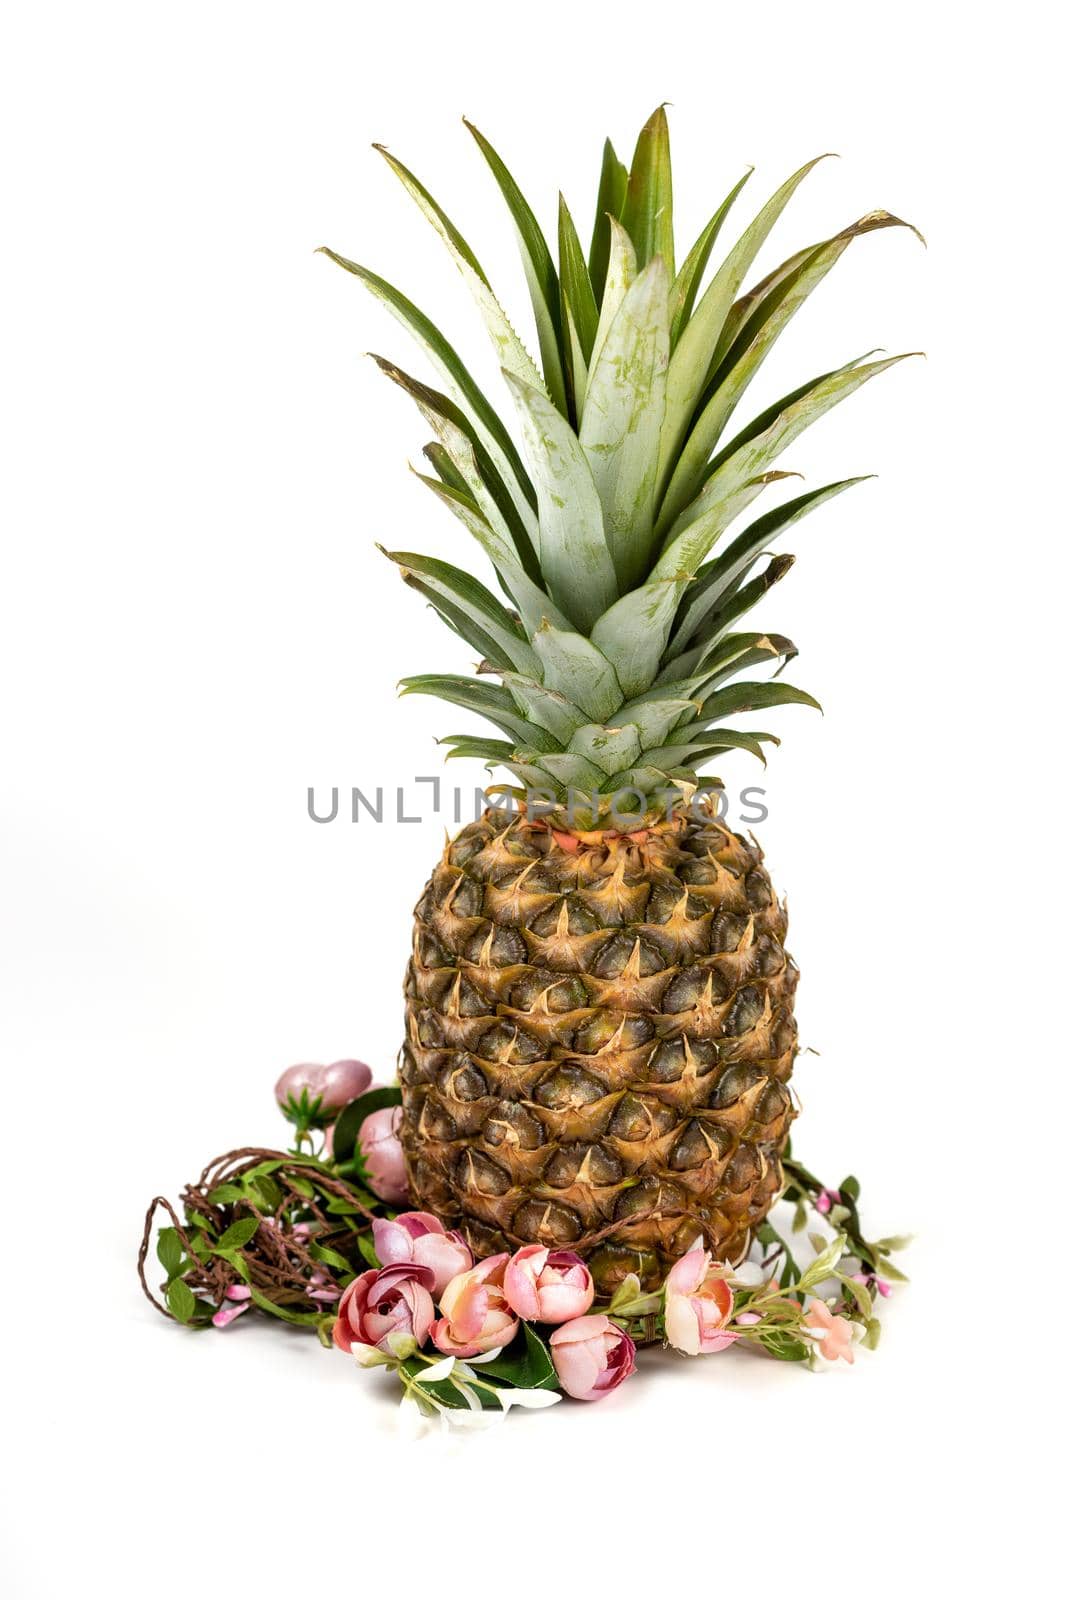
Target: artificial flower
(698, 1301)
(315, 1089)
(833, 1335)
(592, 1357)
(475, 1315)
(417, 1236)
(386, 1308)
(545, 1285)
(383, 1156)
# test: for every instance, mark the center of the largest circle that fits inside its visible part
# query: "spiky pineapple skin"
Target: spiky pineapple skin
(599, 1042)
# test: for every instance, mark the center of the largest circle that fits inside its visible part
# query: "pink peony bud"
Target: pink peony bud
(294, 1080)
(395, 1300)
(419, 1237)
(344, 1081)
(382, 1155)
(547, 1285)
(475, 1315)
(327, 1088)
(592, 1357)
(698, 1302)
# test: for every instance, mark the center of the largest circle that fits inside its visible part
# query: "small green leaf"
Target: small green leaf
(169, 1250)
(302, 1319)
(784, 1346)
(851, 1187)
(181, 1300)
(238, 1234)
(328, 1257)
(225, 1194)
(367, 1250)
(523, 1364)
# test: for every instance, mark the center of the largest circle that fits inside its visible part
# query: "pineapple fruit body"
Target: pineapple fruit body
(599, 1042)
(600, 1029)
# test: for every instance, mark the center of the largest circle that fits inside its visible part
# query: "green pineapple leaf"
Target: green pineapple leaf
(574, 552)
(622, 418)
(716, 577)
(687, 284)
(611, 197)
(510, 350)
(692, 359)
(541, 277)
(647, 214)
(464, 391)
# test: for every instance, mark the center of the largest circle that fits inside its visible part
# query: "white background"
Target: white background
(196, 626)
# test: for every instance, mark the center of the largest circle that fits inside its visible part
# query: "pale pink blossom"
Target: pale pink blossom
(827, 1199)
(475, 1315)
(698, 1301)
(382, 1155)
(378, 1305)
(545, 1285)
(418, 1236)
(592, 1357)
(238, 1291)
(833, 1334)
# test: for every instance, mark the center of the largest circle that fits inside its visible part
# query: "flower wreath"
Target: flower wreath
(317, 1236)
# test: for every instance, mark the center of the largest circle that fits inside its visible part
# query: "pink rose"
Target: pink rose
(698, 1302)
(547, 1285)
(419, 1237)
(376, 1305)
(592, 1357)
(382, 1155)
(326, 1088)
(475, 1315)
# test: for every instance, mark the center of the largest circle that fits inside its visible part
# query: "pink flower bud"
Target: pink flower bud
(227, 1314)
(698, 1303)
(238, 1291)
(475, 1315)
(327, 1088)
(395, 1300)
(344, 1081)
(547, 1285)
(885, 1289)
(294, 1080)
(417, 1236)
(592, 1357)
(382, 1155)
(824, 1202)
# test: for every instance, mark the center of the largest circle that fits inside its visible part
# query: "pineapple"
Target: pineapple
(600, 1028)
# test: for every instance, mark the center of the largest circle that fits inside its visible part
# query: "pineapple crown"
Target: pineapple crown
(618, 657)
